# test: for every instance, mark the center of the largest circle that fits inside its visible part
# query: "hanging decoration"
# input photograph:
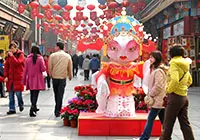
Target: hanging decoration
(34, 4)
(44, 2)
(102, 2)
(57, 7)
(21, 8)
(62, 3)
(25, 2)
(34, 13)
(80, 27)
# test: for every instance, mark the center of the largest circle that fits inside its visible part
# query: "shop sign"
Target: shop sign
(178, 28)
(166, 32)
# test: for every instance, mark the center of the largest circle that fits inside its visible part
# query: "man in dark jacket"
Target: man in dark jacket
(13, 73)
(94, 64)
(75, 64)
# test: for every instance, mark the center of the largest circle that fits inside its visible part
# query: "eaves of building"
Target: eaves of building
(155, 7)
(11, 14)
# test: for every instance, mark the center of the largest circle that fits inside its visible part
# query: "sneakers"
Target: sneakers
(21, 108)
(10, 112)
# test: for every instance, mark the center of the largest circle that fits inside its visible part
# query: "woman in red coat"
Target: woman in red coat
(33, 77)
(13, 73)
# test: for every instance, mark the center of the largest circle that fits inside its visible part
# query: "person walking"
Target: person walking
(156, 90)
(2, 94)
(94, 63)
(179, 79)
(60, 67)
(48, 78)
(75, 61)
(33, 77)
(86, 67)
(13, 73)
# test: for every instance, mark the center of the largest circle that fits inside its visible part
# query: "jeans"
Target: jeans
(12, 99)
(59, 89)
(149, 124)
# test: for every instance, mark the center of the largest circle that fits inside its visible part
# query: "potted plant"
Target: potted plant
(73, 117)
(65, 116)
(140, 105)
(85, 101)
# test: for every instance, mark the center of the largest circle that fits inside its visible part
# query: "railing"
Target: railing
(13, 4)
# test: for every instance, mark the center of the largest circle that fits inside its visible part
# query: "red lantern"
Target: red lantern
(21, 8)
(48, 6)
(102, 16)
(66, 15)
(40, 15)
(67, 26)
(58, 17)
(85, 18)
(68, 7)
(97, 22)
(108, 14)
(45, 24)
(56, 7)
(102, 7)
(60, 25)
(34, 12)
(94, 30)
(34, 4)
(85, 31)
(134, 8)
(91, 7)
(79, 8)
(112, 5)
(48, 14)
(79, 16)
(125, 3)
(56, 31)
(93, 15)
(52, 24)
(90, 24)
(83, 25)
(46, 28)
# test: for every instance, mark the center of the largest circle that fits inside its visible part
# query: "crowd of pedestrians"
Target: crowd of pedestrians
(34, 71)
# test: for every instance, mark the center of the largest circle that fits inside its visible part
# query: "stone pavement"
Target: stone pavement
(46, 127)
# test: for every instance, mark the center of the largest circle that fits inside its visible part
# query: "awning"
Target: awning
(159, 8)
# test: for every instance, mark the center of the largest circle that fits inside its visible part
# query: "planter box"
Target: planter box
(92, 124)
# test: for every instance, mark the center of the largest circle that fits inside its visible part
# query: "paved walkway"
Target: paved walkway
(46, 127)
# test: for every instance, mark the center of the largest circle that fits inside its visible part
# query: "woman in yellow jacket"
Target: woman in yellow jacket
(179, 79)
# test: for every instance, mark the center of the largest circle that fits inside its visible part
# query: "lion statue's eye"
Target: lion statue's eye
(132, 49)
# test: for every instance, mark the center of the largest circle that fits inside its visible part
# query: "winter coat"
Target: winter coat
(94, 63)
(47, 65)
(75, 60)
(85, 65)
(179, 66)
(13, 70)
(157, 86)
(33, 77)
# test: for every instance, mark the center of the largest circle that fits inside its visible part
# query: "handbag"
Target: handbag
(149, 100)
(165, 98)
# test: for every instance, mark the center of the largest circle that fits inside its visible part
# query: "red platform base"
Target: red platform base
(92, 124)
